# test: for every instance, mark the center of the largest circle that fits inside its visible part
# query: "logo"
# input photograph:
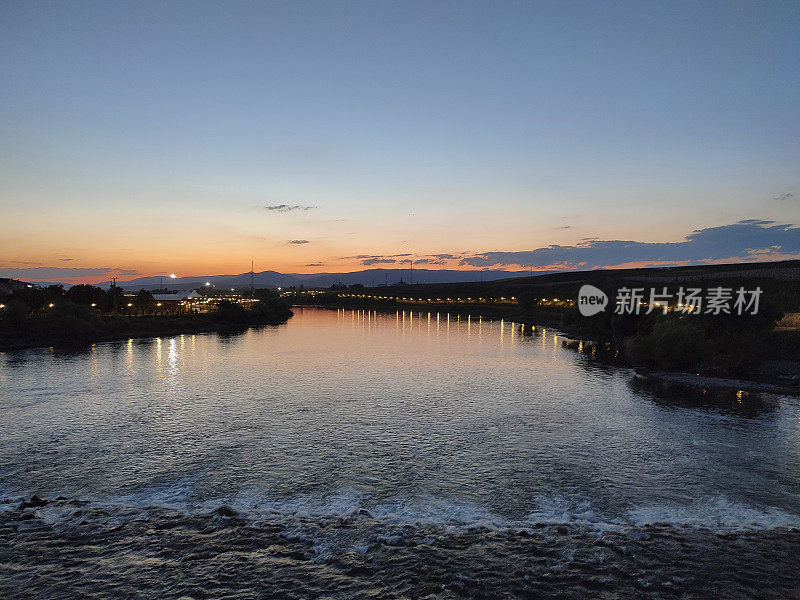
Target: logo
(591, 300)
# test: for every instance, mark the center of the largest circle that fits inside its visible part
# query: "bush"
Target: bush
(12, 317)
(673, 344)
(231, 312)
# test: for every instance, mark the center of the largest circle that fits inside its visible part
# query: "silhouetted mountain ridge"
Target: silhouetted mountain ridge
(369, 277)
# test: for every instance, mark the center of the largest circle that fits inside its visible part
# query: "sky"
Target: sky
(144, 138)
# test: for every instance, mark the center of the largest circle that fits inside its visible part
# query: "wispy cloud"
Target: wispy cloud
(59, 273)
(363, 256)
(378, 261)
(284, 208)
(298, 242)
(444, 256)
(316, 264)
(21, 263)
(783, 197)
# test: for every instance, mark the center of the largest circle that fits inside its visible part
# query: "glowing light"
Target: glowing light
(172, 276)
(208, 284)
(51, 305)
(158, 304)
(129, 304)
(94, 303)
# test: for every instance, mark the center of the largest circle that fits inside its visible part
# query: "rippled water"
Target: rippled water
(302, 454)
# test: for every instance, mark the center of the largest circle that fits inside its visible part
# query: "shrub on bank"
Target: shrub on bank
(673, 344)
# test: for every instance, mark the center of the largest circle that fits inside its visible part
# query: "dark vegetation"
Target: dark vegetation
(84, 313)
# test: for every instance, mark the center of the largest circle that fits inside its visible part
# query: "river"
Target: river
(358, 454)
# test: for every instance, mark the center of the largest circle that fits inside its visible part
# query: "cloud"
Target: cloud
(317, 264)
(368, 256)
(22, 263)
(751, 239)
(445, 256)
(783, 197)
(428, 259)
(67, 259)
(288, 207)
(298, 242)
(45, 273)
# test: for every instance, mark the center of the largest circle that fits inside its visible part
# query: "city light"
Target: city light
(172, 276)
(51, 305)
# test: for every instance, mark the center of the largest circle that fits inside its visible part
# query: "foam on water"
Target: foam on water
(717, 514)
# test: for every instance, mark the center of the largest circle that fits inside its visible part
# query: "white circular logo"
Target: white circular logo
(591, 300)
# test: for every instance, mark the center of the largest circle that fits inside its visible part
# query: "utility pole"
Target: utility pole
(251, 278)
(411, 282)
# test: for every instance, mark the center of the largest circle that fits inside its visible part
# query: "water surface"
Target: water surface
(394, 424)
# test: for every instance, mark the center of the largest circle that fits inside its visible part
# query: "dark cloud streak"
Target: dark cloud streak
(284, 208)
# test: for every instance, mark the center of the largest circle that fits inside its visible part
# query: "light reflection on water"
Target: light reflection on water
(384, 408)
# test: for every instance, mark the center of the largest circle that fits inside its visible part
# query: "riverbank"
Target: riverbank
(71, 333)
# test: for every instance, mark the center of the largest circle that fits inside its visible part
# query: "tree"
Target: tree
(114, 298)
(143, 301)
(86, 295)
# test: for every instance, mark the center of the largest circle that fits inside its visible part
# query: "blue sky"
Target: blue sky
(132, 130)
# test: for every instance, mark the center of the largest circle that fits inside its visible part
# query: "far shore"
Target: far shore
(153, 327)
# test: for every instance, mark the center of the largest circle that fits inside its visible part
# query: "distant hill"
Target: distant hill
(780, 281)
(369, 278)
